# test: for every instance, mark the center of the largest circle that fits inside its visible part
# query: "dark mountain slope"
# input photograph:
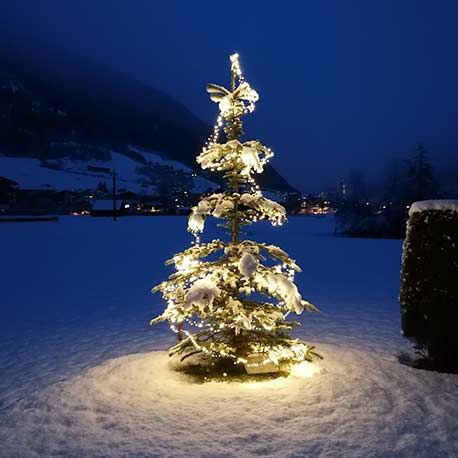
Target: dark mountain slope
(49, 96)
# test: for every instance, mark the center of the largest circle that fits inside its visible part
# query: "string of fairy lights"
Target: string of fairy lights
(228, 157)
(275, 354)
(211, 142)
(184, 265)
(215, 135)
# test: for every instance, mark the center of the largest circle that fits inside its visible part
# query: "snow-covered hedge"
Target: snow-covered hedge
(429, 282)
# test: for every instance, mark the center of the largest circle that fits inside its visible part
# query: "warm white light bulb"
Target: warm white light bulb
(234, 57)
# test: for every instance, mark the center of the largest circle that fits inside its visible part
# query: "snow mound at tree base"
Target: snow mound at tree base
(358, 403)
(201, 369)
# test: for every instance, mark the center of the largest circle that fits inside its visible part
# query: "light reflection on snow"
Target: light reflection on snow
(135, 405)
(145, 378)
(304, 370)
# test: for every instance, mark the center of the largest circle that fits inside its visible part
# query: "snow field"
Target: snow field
(82, 374)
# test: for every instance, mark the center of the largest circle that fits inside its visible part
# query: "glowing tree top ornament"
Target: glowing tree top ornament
(233, 297)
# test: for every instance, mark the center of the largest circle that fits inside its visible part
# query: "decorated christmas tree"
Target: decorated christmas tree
(229, 300)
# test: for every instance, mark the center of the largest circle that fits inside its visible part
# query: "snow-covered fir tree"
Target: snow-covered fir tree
(233, 297)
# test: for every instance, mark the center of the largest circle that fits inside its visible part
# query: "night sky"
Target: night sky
(344, 84)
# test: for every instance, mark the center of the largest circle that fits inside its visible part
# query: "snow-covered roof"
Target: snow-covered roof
(442, 204)
(106, 204)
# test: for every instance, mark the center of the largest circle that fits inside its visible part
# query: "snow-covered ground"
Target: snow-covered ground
(82, 374)
(75, 175)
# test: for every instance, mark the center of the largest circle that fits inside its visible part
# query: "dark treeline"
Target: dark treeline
(381, 209)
